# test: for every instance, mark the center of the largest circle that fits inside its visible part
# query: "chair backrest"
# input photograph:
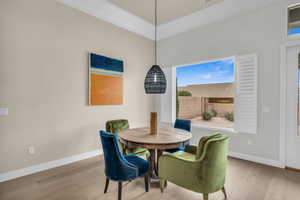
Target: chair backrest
(111, 153)
(183, 124)
(114, 159)
(115, 126)
(202, 143)
(214, 161)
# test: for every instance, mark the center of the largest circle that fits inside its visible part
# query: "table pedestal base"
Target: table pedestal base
(153, 159)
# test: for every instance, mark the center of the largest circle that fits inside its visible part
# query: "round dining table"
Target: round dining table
(166, 138)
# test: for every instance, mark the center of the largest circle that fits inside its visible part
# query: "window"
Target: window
(294, 20)
(206, 93)
(204, 80)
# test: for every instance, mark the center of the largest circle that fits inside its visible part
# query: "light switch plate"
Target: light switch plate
(3, 111)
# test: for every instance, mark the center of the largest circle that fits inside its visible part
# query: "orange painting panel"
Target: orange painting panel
(106, 90)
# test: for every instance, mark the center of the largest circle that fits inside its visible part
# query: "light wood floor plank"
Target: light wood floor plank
(85, 180)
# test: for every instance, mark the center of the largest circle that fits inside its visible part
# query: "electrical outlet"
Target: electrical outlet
(31, 150)
(249, 142)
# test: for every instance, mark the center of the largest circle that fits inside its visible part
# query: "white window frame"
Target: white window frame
(204, 127)
(170, 118)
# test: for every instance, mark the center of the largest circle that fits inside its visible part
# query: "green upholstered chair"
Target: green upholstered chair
(116, 126)
(200, 169)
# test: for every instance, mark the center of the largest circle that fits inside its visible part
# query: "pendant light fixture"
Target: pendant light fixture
(155, 81)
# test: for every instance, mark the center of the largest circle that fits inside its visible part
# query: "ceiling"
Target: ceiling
(132, 15)
(168, 10)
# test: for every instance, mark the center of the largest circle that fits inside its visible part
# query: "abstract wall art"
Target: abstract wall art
(106, 80)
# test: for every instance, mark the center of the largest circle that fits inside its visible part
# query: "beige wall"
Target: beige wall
(210, 90)
(44, 80)
(221, 108)
(189, 107)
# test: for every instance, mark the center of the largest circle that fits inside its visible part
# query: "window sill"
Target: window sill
(218, 129)
(203, 127)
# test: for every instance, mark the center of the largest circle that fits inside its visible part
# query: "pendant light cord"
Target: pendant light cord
(155, 31)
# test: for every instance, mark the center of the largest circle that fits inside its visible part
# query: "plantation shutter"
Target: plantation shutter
(167, 103)
(246, 94)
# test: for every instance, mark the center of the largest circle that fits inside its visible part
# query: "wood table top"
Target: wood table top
(164, 136)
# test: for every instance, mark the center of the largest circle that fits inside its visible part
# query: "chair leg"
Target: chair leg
(163, 183)
(224, 192)
(106, 185)
(205, 196)
(120, 190)
(124, 149)
(146, 183)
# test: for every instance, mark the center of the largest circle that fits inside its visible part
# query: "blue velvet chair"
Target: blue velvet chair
(183, 124)
(119, 167)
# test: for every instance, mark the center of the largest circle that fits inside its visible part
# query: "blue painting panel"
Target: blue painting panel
(106, 63)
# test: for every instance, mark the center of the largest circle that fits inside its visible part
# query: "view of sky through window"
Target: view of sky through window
(294, 31)
(221, 71)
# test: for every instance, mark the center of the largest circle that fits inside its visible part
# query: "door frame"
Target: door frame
(283, 98)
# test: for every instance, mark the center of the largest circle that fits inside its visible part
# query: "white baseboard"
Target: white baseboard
(48, 165)
(274, 163)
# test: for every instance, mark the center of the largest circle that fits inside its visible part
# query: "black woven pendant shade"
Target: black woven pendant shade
(155, 81)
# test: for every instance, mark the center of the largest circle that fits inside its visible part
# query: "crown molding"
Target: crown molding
(107, 11)
(218, 12)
